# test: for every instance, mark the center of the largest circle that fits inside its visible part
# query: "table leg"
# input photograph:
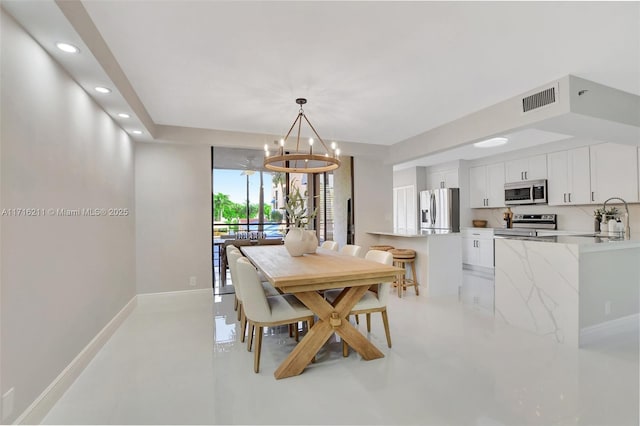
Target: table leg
(331, 319)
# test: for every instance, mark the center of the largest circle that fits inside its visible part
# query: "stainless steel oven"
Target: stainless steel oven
(525, 192)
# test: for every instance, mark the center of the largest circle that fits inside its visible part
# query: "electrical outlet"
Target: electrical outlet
(7, 403)
(193, 281)
(607, 307)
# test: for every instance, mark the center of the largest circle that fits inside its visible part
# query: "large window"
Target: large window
(247, 199)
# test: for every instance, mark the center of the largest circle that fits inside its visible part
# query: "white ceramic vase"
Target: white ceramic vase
(311, 241)
(295, 241)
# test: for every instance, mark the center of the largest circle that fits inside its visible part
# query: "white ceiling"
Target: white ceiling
(374, 72)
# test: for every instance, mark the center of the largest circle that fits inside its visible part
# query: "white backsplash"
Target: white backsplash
(574, 218)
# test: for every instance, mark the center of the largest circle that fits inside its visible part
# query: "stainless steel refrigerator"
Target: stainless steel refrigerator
(440, 209)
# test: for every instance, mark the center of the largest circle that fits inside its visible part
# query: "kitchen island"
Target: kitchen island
(573, 289)
(438, 258)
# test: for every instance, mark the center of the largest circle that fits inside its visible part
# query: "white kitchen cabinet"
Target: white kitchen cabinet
(486, 184)
(569, 177)
(443, 179)
(529, 168)
(477, 247)
(405, 208)
(614, 172)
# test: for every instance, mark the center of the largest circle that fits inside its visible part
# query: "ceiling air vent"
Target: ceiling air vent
(538, 100)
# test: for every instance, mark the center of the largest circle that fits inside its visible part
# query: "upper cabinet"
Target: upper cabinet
(486, 186)
(569, 181)
(443, 179)
(614, 172)
(529, 168)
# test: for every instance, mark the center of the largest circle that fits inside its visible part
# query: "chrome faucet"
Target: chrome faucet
(627, 229)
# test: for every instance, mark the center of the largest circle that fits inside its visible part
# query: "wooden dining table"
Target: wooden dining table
(303, 276)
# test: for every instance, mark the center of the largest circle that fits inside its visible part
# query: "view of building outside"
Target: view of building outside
(238, 197)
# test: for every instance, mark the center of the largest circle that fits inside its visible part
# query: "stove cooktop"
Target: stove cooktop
(528, 225)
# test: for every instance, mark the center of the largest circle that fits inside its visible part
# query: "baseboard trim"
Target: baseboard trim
(36, 412)
(605, 329)
(177, 292)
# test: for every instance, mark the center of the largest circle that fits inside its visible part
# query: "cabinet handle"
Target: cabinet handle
(521, 175)
(593, 198)
(525, 175)
(569, 197)
(565, 197)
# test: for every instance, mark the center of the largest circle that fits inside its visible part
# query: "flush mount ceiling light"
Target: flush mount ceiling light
(289, 161)
(68, 48)
(124, 115)
(100, 89)
(136, 132)
(489, 143)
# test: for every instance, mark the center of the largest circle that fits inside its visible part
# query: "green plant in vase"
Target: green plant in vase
(603, 214)
(298, 213)
(299, 241)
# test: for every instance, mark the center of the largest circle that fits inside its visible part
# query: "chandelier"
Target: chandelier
(302, 160)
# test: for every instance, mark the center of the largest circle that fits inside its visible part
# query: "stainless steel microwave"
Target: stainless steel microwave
(525, 192)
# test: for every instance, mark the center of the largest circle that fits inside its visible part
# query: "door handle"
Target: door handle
(433, 209)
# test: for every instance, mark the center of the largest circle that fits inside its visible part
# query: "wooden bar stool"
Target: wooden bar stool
(381, 247)
(403, 258)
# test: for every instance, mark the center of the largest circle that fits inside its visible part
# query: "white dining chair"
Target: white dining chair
(330, 245)
(228, 251)
(351, 250)
(233, 256)
(374, 300)
(262, 311)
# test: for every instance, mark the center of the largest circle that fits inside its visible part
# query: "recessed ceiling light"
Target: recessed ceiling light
(136, 132)
(66, 47)
(489, 143)
(123, 115)
(100, 89)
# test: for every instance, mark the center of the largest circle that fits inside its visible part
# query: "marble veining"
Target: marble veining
(537, 287)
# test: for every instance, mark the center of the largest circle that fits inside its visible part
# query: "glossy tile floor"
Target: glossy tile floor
(177, 360)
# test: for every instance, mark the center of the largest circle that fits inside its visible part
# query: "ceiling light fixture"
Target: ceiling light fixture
(489, 143)
(136, 132)
(68, 48)
(100, 89)
(124, 115)
(299, 161)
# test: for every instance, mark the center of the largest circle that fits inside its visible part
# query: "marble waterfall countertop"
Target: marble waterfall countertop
(569, 288)
(595, 242)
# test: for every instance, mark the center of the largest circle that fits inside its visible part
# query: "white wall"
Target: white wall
(373, 187)
(63, 278)
(173, 217)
